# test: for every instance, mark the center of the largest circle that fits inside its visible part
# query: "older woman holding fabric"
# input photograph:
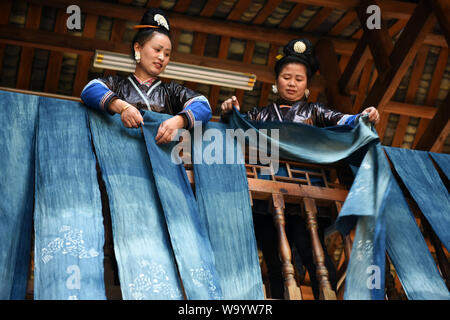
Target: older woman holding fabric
(151, 49)
(294, 70)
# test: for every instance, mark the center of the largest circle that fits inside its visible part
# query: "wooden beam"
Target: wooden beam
(238, 9)
(5, 10)
(390, 8)
(266, 11)
(292, 16)
(329, 69)
(441, 9)
(84, 61)
(210, 7)
(410, 94)
(420, 23)
(343, 23)
(56, 57)
(438, 129)
(27, 54)
(363, 86)
(86, 46)
(409, 109)
(317, 20)
(379, 40)
(354, 67)
(182, 5)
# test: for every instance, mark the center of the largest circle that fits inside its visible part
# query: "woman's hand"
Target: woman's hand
(131, 117)
(374, 116)
(168, 129)
(228, 104)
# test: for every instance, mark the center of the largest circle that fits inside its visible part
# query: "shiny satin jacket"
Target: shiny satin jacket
(171, 98)
(312, 113)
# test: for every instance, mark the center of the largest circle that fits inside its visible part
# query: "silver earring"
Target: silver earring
(274, 88)
(137, 57)
(306, 93)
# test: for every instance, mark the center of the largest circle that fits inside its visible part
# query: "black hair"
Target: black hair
(150, 17)
(298, 51)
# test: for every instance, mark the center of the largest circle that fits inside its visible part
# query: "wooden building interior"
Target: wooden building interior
(402, 68)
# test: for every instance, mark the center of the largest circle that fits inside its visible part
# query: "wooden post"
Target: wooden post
(326, 292)
(291, 290)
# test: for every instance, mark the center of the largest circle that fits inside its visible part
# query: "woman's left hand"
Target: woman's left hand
(168, 129)
(374, 116)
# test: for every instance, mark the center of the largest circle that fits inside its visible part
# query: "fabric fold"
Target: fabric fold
(68, 220)
(17, 131)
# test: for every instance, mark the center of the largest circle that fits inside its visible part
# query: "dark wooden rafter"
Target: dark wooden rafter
(238, 9)
(266, 11)
(33, 20)
(410, 95)
(432, 93)
(292, 16)
(378, 40)
(56, 57)
(403, 53)
(5, 10)
(329, 69)
(84, 60)
(317, 20)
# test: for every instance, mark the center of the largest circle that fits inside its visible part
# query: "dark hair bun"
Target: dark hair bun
(157, 18)
(300, 51)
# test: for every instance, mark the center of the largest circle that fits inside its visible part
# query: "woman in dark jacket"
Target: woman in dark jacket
(294, 70)
(151, 48)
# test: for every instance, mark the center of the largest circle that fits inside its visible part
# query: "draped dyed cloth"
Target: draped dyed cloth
(170, 243)
(68, 218)
(17, 130)
(417, 171)
(147, 269)
(443, 161)
(223, 200)
(187, 229)
(375, 204)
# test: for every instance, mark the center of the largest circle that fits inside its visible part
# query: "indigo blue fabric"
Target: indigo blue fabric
(68, 218)
(418, 173)
(186, 226)
(409, 252)
(374, 204)
(17, 130)
(223, 199)
(147, 269)
(443, 161)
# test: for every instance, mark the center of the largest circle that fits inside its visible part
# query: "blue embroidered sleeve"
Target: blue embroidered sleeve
(197, 109)
(97, 95)
(349, 119)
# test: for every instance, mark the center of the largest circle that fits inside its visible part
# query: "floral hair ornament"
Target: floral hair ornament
(159, 19)
(299, 47)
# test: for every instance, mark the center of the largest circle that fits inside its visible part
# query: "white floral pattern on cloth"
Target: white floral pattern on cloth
(71, 243)
(153, 279)
(364, 249)
(200, 277)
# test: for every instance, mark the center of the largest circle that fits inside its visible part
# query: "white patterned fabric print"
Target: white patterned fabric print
(201, 276)
(71, 243)
(154, 280)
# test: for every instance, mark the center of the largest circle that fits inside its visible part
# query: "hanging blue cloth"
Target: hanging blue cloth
(68, 218)
(374, 204)
(443, 161)
(17, 129)
(418, 173)
(223, 200)
(147, 269)
(187, 229)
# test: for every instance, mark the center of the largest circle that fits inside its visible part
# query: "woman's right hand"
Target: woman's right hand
(131, 117)
(228, 104)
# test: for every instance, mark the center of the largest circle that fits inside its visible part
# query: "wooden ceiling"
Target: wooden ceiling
(402, 68)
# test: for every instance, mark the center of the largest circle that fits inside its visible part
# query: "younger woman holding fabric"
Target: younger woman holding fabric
(293, 71)
(151, 48)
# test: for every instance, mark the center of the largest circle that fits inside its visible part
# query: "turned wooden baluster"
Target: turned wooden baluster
(291, 290)
(326, 292)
